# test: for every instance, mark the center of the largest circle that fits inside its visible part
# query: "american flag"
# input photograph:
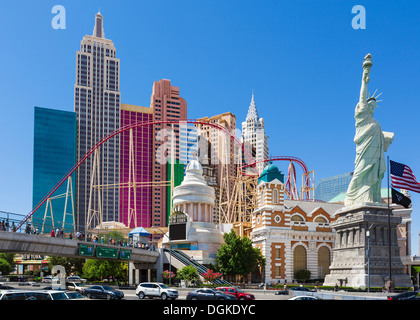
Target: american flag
(402, 177)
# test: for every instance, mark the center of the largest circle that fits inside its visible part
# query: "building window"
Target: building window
(321, 221)
(299, 259)
(275, 196)
(297, 220)
(324, 261)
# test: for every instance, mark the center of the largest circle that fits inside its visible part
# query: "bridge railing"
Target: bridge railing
(37, 226)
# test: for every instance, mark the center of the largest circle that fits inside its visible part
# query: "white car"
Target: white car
(155, 289)
(305, 298)
(33, 295)
(75, 279)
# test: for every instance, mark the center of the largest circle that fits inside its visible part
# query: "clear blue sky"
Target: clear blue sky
(302, 59)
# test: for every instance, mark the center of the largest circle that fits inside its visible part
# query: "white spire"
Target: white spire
(252, 111)
(98, 30)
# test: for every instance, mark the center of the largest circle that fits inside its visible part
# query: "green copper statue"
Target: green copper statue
(371, 143)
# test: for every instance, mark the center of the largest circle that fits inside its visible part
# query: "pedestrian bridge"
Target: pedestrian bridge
(51, 246)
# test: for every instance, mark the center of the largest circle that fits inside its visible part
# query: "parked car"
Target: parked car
(47, 279)
(76, 286)
(5, 287)
(280, 292)
(209, 294)
(407, 295)
(75, 279)
(155, 289)
(305, 298)
(74, 295)
(238, 293)
(33, 295)
(102, 292)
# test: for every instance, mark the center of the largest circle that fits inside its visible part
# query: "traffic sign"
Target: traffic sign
(125, 254)
(86, 250)
(106, 252)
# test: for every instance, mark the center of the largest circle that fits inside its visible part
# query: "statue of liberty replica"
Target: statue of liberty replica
(366, 252)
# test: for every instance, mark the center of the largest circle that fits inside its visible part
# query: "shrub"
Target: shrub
(302, 275)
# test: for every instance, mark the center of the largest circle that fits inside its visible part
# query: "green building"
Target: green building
(178, 178)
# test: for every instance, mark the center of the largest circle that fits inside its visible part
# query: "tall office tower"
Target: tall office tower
(97, 105)
(188, 143)
(253, 135)
(167, 105)
(136, 163)
(54, 156)
(328, 188)
(218, 151)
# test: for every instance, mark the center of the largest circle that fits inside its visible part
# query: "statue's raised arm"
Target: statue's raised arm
(367, 64)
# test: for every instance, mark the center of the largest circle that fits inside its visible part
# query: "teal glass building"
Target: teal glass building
(328, 188)
(54, 156)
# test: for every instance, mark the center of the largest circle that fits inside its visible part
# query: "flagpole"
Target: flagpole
(389, 232)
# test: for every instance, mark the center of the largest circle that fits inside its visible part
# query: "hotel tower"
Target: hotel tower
(97, 105)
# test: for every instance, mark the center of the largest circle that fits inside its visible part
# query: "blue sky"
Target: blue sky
(302, 59)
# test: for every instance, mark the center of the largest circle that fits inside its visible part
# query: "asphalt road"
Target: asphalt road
(259, 295)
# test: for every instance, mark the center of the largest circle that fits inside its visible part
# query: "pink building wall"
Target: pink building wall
(142, 143)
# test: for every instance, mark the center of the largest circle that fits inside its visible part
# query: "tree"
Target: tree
(102, 269)
(7, 263)
(210, 275)
(188, 273)
(302, 275)
(166, 275)
(238, 256)
(74, 265)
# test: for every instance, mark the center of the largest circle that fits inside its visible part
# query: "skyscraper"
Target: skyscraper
(136, 164)
(253, 135)
(188, 143)
(218, 154)
(97, 105)
(167, 105)
(54, 156)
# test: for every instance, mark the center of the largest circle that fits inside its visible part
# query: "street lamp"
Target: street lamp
(368, 254)
(170, 254)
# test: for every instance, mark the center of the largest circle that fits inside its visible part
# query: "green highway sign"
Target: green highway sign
(125, 254)
(86, 250)
(105, 252)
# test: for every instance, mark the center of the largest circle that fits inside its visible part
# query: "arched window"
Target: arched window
(297, 218)
(275, 196)
(324, 261)
(299, 259)
(262, 197)
(320, 219)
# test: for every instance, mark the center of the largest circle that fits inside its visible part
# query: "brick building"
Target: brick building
(292, 235)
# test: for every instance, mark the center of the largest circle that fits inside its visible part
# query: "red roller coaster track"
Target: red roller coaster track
(284, 158)
(116, 132)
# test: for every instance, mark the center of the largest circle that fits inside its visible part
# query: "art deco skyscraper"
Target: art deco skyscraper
(253, 135)
(97, 105)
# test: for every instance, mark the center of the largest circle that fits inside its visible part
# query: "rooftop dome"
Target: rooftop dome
(194, 187)
(194, 165)
(270, 173)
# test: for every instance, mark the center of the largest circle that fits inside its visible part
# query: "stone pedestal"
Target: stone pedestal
(350, 265)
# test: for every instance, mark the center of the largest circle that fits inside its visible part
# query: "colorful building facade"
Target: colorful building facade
(136, 165)
(292, 235)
